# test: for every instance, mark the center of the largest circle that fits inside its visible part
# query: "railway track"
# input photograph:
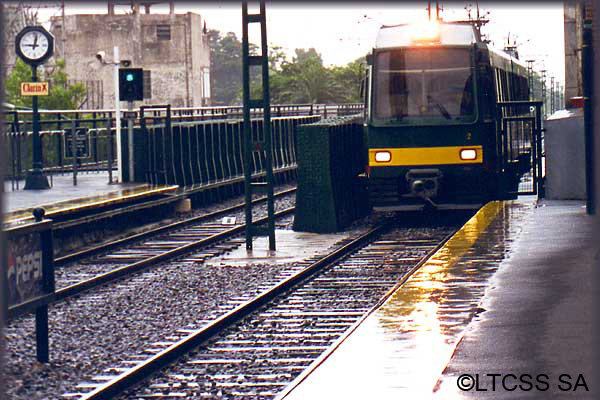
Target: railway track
(91, 251)
(256, 345)
(99, 265)
(133, 254)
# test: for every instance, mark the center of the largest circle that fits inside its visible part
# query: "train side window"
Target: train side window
(488, 93)
(499, 86)
(466, 103)
(505, 89)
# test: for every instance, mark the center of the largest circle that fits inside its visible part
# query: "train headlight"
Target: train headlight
(468, 154)
(425, 31)
(383, 156)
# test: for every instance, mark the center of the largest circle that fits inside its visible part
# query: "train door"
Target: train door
(520, 147)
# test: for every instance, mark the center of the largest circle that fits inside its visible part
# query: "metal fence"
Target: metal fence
(90, 149)
(205, 152)
(76, 141)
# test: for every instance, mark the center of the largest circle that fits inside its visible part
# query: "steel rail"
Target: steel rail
(331, 349)
(173, 352)
(101, 279)
(111, 245)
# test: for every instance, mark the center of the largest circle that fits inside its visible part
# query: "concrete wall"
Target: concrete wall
(176, 64)
(565, 156)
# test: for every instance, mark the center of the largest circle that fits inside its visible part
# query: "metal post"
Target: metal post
(130, 140)
(36, 179)
(587, 73)
(3, 246)
(552, 91)
(544, 92)
(74, 150)
(41, 334)
(247, 128)
(41, 312)
(118, 113)
(538, 148)
(249, 145)
(530, 78)
(109, 150)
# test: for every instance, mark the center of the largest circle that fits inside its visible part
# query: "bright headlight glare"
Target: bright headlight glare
(383, 156)
(428, 30)
(468, 154)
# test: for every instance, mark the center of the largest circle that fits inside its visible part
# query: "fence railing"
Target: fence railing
(76, 141)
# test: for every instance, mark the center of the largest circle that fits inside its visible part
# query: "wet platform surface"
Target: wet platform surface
(92, 190)
(510, 293)
(290, 247)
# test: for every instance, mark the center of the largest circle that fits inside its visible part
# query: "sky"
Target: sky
(342, 32)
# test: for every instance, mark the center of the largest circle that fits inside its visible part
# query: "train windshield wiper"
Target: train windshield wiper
(440, 107)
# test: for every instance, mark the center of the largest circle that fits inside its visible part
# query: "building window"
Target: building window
(163, 32)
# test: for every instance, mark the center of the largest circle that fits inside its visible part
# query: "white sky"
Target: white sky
(343, 32)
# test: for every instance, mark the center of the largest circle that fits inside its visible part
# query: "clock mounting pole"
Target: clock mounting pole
(35, 45)
(36, 179)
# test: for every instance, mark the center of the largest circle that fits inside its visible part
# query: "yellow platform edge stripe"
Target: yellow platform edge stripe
(450, 253)
(446, 257)
(415, 156)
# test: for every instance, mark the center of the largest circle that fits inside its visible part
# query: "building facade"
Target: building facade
(174, 47)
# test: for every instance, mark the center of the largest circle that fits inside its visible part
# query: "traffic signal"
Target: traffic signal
(131, 84)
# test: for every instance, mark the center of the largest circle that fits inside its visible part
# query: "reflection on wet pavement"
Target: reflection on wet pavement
(403, 347)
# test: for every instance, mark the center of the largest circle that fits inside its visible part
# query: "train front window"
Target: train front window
(424, 85)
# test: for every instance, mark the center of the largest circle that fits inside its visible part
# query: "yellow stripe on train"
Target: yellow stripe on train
(414, 156)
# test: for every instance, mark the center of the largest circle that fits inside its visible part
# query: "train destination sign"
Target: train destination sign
(34, 88)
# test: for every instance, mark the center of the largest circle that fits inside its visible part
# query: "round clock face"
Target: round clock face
(34, 45)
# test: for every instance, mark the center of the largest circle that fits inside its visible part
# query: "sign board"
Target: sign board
(34, 88)
(24, 269)
(27, 275)
(81, 145)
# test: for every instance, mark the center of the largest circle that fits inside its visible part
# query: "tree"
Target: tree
(16, 16)
(226, 67)
(304, 80)
(61, 96)
(348, 81)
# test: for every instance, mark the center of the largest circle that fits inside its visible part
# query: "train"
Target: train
(433, 129)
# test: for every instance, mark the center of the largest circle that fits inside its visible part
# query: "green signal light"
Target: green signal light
(129, 77)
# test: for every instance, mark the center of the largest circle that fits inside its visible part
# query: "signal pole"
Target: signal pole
(116, 63)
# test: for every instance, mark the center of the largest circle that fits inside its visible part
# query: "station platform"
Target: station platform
(505, 310)
(93, 190)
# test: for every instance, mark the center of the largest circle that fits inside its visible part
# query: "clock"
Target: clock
(34, 44)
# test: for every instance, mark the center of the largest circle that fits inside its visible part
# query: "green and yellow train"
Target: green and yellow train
(432, 126)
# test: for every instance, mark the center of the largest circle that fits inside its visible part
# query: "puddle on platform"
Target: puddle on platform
(291, 247)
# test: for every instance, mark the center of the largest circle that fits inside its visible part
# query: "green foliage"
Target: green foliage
(307, 80)
(304, 79)
(226, 67)
(348, 81)
(62, 95)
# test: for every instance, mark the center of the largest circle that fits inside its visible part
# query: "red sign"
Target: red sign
(34, 88)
